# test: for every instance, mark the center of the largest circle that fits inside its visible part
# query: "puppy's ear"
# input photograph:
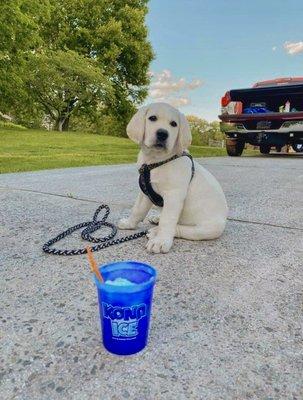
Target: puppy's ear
(184, 135)
(136, 126)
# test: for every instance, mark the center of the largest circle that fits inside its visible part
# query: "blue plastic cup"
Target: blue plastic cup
(125, 310)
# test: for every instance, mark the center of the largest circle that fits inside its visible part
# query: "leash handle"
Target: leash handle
(86, 234)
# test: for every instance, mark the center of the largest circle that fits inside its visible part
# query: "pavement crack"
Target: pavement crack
(118, 204)
(210, 164)
(265, 224)
(50, 194)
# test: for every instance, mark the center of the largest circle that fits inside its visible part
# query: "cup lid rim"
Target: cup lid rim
(128, 264)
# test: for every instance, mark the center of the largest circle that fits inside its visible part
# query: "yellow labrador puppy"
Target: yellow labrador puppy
(195, 207)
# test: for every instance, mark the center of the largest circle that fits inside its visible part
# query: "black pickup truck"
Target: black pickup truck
(268, 115)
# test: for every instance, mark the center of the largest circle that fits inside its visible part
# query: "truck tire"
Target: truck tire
(298, 147)
(265, 148)
(234, 148)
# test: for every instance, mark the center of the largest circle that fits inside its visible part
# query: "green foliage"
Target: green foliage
(20, 23)
(102, 124)
(64, 82)
(82, 58)
(203, 130)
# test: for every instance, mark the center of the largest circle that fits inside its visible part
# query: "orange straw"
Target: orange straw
(93, 264)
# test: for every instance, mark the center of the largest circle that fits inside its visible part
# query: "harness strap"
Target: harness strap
(144, 178)
(158, 164)
(146, 187)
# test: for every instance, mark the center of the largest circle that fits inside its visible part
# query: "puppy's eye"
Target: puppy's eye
(153, 118)
(174, 123)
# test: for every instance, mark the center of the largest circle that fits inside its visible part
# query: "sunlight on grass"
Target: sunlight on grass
(33, 150)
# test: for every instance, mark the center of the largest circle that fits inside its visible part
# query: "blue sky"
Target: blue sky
(224, 44)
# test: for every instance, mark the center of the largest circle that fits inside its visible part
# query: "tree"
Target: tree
(113, 36)
(86, 58)
(215, 131)
(203, 130)
(20, 22)
(63, 82)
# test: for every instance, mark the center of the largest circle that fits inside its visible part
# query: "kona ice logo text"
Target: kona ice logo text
(124, 320)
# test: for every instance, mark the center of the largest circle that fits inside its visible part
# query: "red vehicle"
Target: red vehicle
(268, 115)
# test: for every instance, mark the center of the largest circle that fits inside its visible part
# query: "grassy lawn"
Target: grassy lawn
(31, 150)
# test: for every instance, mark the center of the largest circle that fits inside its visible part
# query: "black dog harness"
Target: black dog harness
(144, 178)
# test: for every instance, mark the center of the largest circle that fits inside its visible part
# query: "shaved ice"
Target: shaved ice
(119, 282)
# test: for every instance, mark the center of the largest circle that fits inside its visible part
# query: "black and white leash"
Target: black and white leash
(86, 234)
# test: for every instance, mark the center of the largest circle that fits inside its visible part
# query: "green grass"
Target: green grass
(32, 150)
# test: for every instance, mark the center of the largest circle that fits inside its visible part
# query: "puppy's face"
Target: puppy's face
(160, 127)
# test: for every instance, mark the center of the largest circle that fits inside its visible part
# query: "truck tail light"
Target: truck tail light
(225, 100)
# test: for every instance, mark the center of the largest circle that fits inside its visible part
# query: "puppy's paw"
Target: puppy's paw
(152, 232)
(126, 223)
(154, 219)
(159, 244)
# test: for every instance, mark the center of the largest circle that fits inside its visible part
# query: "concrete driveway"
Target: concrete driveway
(227, 316)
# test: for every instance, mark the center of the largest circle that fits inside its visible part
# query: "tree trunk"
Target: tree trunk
(62, 123)
(59, 123)
(65, 125)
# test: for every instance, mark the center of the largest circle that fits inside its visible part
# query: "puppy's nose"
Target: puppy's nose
(162, 135)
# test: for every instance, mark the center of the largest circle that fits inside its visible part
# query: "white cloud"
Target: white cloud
(174, 91)
(174, 101)
(293, 48)
(194, 84)
(180, 101)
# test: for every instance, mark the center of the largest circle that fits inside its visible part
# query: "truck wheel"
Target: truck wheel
(234, 148)
(265, 148)
(298, 148)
